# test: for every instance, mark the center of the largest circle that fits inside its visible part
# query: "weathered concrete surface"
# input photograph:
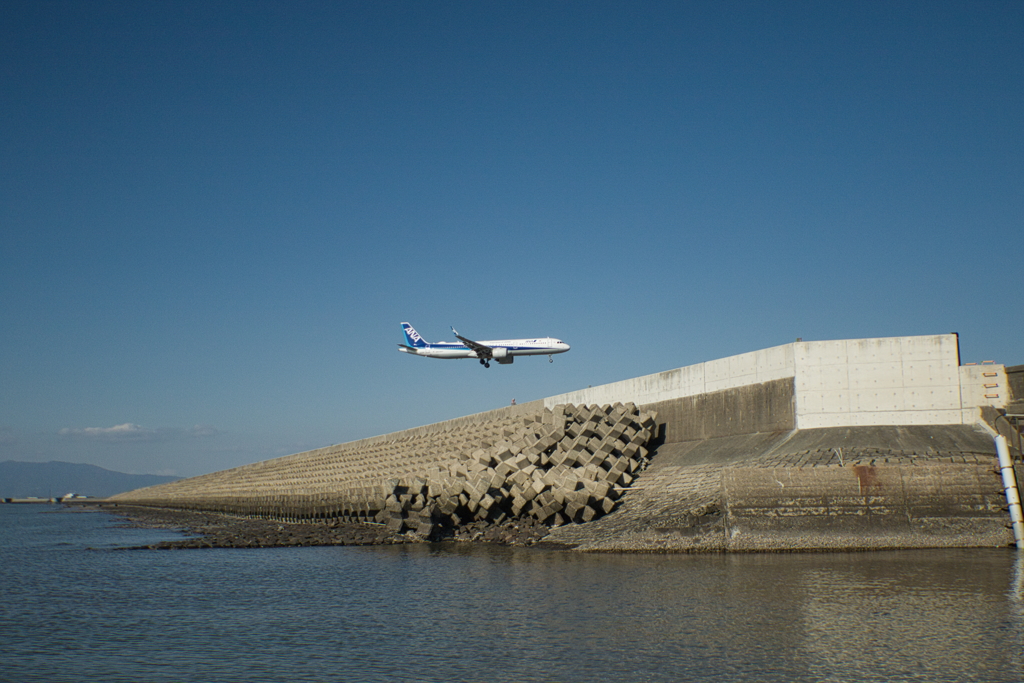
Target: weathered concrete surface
(753, 408)
(859, 506)
(1015, 385)
(844, 382)
(877, 487)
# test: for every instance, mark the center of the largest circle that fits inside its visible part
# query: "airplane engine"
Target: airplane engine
(501, 355)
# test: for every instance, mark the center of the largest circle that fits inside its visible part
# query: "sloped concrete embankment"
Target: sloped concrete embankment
(868, 505)
(555, 466)
(822, 489)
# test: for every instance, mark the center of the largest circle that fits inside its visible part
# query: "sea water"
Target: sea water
(74, 607)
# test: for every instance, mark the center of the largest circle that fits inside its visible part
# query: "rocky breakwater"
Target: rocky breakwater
(498, 477)
(568, 464)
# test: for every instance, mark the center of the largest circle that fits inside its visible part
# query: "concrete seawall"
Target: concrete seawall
(567, 464)
(874, 443)
(832, 488)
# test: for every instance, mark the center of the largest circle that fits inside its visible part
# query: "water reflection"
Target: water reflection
(884, 617)
(917, 615)
(468, 613)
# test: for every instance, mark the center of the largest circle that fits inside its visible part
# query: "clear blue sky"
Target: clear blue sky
(214, 215)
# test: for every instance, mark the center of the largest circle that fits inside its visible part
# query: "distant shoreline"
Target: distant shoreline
(29, 501)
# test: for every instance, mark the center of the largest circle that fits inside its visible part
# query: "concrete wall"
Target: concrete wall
(755, 367)
(850, 382)
(753, 408)
(888, 381)
(834, 488)
(984, 385)
(904, 505)
(1015, 382)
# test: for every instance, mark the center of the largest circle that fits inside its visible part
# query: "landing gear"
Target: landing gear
(484, 363)
(550, 359)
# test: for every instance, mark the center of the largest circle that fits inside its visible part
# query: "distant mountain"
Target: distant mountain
(55, 478)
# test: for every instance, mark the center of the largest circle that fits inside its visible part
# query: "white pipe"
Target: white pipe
(1010, 487)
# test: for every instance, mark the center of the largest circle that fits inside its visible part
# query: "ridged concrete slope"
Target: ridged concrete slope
(818, 489)
(556, 465)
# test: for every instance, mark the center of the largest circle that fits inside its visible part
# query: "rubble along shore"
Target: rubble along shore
(213, 530)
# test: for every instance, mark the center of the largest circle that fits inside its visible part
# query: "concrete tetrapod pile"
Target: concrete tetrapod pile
(566, 464)
(554, 466)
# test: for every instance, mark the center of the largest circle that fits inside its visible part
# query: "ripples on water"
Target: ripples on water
(456, 612)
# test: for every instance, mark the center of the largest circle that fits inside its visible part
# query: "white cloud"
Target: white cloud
(130, 432)
(122, 432)
(203, 430)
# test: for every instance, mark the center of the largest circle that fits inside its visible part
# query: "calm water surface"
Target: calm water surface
(73, 608)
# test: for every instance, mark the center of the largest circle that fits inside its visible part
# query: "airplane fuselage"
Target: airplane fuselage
(503, 351)
(542, 346)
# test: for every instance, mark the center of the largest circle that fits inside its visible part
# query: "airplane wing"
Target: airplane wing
(482, 352)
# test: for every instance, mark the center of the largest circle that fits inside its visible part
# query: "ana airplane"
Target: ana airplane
(504, 351)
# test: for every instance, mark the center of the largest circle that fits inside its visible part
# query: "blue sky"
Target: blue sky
(214, 215)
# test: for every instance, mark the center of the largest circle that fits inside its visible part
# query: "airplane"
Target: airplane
(504, 351)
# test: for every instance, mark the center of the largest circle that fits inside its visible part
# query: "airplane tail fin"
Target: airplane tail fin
(412, 337)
